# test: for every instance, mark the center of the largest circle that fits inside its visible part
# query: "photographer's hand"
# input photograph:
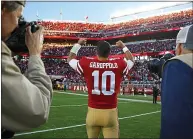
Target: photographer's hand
(34, 41)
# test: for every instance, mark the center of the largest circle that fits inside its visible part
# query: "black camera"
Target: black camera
(156, 65)
(16, 42)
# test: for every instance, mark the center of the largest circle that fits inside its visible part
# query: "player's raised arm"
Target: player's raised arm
(128, 54)
(73, 53)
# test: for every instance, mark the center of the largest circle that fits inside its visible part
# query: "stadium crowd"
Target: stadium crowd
(60, 67)
(138, 75)
(156, 46)
(94, 30)
(139, 72)
(155, 20)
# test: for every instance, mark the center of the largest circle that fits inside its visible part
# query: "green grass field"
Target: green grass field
(68, 115)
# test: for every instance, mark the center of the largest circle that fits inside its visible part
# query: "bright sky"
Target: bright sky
(96, 11)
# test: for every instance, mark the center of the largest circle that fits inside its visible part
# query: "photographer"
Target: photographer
(177, 90)
(26, 99)
(155, 94)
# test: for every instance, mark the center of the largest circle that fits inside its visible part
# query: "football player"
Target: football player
(103, 76)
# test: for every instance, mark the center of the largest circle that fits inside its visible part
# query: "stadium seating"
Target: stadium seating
(89, 30)
(60, 67)
(61, 50)
(139, 73)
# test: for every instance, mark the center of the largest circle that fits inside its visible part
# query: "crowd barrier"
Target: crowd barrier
(128, 89)
(125, 89)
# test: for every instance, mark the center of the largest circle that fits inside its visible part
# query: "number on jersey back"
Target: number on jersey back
(102, 77)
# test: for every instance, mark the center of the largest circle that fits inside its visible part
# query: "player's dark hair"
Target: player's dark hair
(103, 49)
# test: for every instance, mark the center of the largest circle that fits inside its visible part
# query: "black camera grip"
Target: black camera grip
(34, 28)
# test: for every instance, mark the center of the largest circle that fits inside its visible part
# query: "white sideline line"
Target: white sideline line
(78, 105)
(136, 100)
(68, 127)
(139, 115)
(126, 99)
(71, 93)
(47, 130)
(68, 106)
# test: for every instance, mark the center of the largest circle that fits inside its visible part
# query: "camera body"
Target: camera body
(156, 65)
(16, 42)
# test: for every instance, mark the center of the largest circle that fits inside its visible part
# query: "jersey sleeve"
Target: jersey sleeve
(73, 63)
(127, 65)
(81, 66)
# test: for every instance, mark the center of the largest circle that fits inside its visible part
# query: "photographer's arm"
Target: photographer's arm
(25, 102)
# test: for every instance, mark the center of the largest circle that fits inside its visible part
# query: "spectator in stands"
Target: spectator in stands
(26, 99)
(177, 90)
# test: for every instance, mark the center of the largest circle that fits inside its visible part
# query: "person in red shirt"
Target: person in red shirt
(103, 76)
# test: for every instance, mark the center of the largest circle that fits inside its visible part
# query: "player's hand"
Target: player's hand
(82, 41)
(120, 44)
